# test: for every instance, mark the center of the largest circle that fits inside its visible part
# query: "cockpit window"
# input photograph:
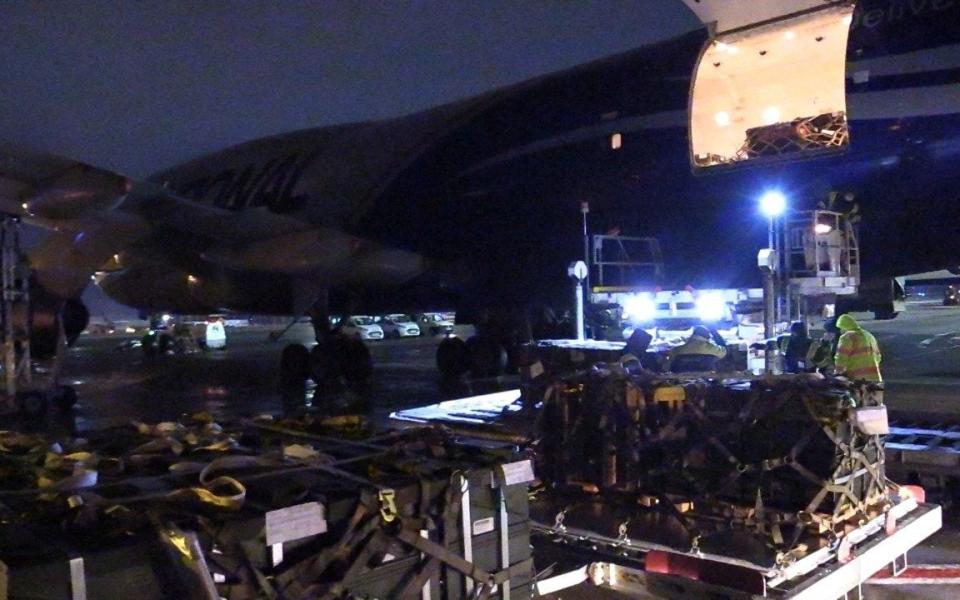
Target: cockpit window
(773, 91)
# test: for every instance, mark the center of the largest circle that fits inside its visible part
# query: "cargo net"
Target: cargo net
(187, 509)
(805, 134)
(764, 471)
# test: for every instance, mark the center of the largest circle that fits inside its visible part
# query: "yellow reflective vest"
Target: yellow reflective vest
(858, 356)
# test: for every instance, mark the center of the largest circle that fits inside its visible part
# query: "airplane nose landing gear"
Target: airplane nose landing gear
(341, 366)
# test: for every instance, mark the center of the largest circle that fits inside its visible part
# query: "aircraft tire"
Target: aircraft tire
(294, 363)
(65, 398)
(452, 358)
(323, 364)
(354, 360)
(487, 357)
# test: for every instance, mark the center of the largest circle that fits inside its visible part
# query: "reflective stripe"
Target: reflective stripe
(858, 356)
(857, 351)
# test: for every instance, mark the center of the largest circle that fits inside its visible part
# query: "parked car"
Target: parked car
(433, 323)
(361, 327)
(398, 326)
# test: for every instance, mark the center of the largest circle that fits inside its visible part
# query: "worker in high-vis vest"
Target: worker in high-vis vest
(858, 356)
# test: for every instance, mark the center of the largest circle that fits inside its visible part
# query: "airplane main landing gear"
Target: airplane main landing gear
(488, 354)
(339, 365)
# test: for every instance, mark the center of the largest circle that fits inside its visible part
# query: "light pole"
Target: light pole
(772, 205)
(578, 271)
(584, 211)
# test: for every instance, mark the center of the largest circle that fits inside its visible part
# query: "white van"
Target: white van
(215, 336)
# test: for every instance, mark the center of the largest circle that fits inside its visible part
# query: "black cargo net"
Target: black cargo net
(827, 131)
(762, 471)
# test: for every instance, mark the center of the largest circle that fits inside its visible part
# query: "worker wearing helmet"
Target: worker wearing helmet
(698, 353)
(858, 355)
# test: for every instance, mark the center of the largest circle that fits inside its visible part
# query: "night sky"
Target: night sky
(138, 86)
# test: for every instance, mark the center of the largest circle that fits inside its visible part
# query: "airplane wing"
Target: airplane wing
(91, 214)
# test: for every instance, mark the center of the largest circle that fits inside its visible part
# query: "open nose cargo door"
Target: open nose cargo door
(770, 83)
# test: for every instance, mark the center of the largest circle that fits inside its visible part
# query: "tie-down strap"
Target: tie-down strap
(460, 564)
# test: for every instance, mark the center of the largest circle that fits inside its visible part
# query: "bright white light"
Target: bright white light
(822, 228)
(790, 35)
(773, 203)
(722, 118)
(848, 19)
(771, 115)
(166, 318)
(728, 48)
(192, 279)
(616, 141)
(639, 309)
(711, 307)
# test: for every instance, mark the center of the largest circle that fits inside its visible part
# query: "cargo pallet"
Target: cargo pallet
(582, 559)
(645, 570)
(383, 516)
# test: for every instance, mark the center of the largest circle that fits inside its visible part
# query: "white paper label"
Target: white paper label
(295, 522)
(872, 420)
(518, 472)
(483, 526)
(536, 370)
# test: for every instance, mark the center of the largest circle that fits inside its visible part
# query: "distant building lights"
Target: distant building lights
(616, 141)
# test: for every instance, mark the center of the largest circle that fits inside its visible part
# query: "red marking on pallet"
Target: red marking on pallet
(920, 575)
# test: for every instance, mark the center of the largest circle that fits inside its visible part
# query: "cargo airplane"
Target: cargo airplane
(475, 204)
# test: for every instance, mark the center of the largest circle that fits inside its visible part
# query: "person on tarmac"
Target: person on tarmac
(638, 349)
(795, 347)
(858, 355)
(821, 352)
(698, 353)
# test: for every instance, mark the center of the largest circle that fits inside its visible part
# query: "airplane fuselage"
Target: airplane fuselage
(480, 199)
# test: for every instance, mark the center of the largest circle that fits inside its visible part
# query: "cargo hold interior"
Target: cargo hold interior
(753, 85)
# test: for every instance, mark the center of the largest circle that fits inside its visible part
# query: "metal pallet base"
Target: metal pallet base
(830, 579)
